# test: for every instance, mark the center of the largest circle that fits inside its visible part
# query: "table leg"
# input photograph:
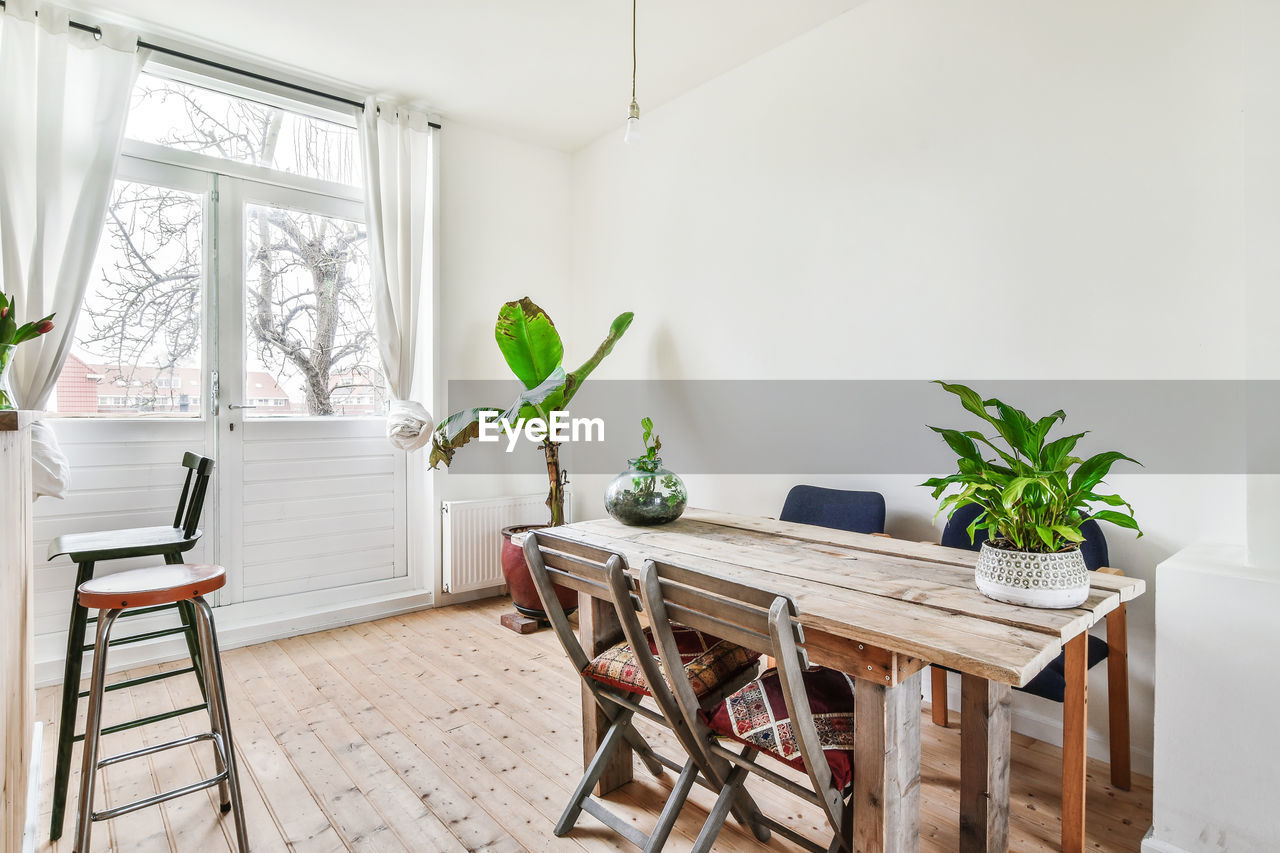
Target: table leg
(1075, 718)
(598, 628)
(1118, 696)
(984, 765)
(938, 692)
(886, 776)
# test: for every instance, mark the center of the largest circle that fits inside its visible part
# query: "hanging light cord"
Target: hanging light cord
(633, 51)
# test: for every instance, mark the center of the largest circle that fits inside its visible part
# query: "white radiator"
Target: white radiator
(473, 537)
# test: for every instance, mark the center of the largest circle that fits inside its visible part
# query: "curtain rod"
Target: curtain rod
(97, 32)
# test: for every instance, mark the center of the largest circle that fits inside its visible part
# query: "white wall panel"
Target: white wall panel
(323, 506)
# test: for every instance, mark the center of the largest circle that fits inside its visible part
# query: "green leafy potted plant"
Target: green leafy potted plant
(533, 350)
(11, 334)
(646, 493)
(1034, 496)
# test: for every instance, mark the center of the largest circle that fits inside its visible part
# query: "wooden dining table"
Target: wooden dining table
(881, 610)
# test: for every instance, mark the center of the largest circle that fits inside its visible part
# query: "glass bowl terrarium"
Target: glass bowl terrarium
(646, 493)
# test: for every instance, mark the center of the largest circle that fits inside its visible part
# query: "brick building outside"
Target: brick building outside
(87, 388)
(105, 389)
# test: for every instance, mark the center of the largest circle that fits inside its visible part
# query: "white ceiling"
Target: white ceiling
(556, 72)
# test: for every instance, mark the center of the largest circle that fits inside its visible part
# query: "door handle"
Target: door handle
(238, 406)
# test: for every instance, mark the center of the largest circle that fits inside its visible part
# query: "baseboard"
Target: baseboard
(33, 790)
(447, 598)
(238, 625)
(1153, 845)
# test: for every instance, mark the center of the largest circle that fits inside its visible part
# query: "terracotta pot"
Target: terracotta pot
(516, 573)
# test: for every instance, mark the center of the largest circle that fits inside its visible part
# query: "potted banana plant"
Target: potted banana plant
(533, 350)
(1034, 496)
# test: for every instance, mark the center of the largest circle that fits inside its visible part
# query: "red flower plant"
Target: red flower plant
(11, 333)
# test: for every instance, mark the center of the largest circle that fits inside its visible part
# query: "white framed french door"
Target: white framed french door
(309, 500)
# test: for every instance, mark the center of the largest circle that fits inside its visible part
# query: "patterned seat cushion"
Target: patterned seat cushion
(757, 716)
(708, 661)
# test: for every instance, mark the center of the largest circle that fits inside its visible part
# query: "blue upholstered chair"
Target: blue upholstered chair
(840, 509)
(1051, 682)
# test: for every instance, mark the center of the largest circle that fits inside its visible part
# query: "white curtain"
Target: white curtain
(64, 96)
(399, 163)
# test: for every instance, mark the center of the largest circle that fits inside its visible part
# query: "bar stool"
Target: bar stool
(149, 587)
(86, 550)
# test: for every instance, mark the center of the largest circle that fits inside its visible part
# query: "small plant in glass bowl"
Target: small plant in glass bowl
(646, 493)
(11, 334)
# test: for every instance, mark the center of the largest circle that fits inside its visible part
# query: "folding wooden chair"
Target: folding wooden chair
(617, 680)
(773, 715)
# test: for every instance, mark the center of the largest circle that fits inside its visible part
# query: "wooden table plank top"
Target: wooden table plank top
(912, 598)
(926, 552)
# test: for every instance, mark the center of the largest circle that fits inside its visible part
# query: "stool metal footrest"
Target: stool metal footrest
(143, 679)
(161, 747)
(138, 638)
(159, 798)
(154, 718)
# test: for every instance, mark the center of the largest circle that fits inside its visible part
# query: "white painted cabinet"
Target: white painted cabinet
(17, 687)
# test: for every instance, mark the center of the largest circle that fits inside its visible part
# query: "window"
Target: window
(186, 117)
(140, 326)
(309, 347)
(309, 312)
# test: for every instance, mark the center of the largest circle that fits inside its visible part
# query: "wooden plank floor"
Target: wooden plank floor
(442, 731)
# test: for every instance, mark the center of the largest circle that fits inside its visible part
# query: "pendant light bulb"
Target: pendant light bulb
(632, 135)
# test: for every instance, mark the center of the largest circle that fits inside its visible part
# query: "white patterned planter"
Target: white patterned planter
(1058, 580)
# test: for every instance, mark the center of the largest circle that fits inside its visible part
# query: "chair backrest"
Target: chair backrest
(955, 535)
(554, 561)
(841, 509)
(758, 619)
(603, 574)
(191, 503)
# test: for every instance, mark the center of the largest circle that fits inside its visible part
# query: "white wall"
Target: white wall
(923, 188)
(1261, 28)
(1214, 742)
(504, 234)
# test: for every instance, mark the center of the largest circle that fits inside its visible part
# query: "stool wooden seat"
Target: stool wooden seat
(154, 585)
(112, 595)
